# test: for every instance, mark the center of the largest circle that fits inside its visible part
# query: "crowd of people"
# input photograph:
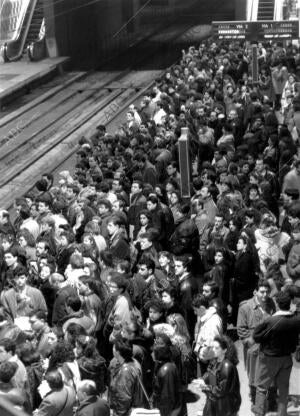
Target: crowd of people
(117, 293)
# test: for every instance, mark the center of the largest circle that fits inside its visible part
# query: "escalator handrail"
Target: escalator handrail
(19, 43)
(37, 50)
(278, 10)
(16, 32)
(21, 19)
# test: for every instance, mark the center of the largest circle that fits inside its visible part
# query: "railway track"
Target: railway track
(43, 134)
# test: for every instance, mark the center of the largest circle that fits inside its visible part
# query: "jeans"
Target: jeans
(270, 370)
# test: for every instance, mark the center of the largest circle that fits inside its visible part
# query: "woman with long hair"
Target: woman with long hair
(144, 224)
(181, 339)
(34, 369)
(220, 272)
(245, 273)
(63, 359)
(221, 382)
(91, 364)
(170, 301)
(90, 247)
(235, 225)
(174, 204)
(166, 386)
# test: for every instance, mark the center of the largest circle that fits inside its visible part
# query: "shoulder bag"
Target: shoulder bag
(140, 411)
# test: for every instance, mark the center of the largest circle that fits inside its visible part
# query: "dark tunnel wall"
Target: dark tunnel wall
(92, 31)
(241, 9)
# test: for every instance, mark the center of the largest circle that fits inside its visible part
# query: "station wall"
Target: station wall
(92, 31)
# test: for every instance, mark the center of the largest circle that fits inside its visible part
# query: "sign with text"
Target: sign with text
(256, 31)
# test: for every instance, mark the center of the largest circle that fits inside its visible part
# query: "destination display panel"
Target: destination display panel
(256, 31)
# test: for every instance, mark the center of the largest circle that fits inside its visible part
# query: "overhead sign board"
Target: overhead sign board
(256, 31)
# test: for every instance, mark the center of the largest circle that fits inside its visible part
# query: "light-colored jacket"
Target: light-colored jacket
(279, 78)
(207, 328)
(58, 402)
(120, 313)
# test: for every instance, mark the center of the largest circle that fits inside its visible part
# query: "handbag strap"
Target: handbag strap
(64, 405)
(273, 326)
(143, 388)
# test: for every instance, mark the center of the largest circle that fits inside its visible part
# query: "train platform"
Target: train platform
(15, 77)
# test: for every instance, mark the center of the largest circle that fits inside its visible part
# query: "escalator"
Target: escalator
(265, 10)
(21, 26)
(35, 25)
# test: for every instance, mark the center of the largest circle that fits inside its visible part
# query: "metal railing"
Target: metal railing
(12, 15)
(278, 10)
(13, 50)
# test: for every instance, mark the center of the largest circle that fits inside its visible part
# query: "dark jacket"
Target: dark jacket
(63, 258)
(187, 290)
(245, 275)
(60, 304)
(221, 309)
(185, 239)
(124, 389)
(223, 389)
(149, 174)
(49, 294)
(166, 391)
(138, 202)
(93, 406)
(142, 353)
(278, 335)
(7, 229)
(159, 223)
(119, 246)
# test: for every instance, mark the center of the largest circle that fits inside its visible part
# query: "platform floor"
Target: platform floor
(16, 75)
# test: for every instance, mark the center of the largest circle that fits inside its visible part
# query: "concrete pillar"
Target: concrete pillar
(51, 44)
(184, 163)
